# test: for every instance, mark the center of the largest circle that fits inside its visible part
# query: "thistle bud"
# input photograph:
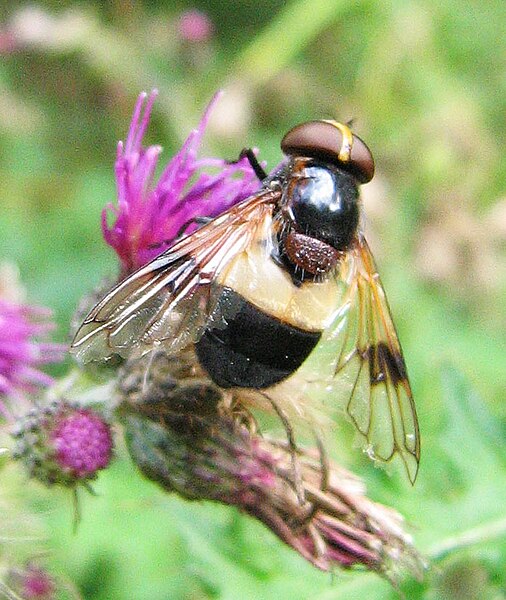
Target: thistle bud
(62, 444)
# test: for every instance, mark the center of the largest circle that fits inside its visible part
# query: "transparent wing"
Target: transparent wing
(369, 358)
(170, 300)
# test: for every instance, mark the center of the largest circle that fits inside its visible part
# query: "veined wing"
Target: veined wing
(369, 356)
(170, 300)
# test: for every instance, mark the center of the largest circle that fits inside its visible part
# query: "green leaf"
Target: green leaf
(476, 513)
(472, 437)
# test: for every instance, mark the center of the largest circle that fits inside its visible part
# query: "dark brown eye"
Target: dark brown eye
(324, 139)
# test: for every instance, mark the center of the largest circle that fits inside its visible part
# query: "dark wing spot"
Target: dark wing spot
(385, 363)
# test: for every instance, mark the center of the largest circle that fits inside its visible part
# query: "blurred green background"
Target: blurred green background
(425, 83)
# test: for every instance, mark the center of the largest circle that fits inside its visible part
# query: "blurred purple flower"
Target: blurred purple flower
(21, 355)
(32, 583)
(37, 584)
(149, 216)
(8, 43)
(195, 26)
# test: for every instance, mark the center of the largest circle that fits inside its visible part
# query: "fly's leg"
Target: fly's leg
(306, 522)
(253, 161)
(193, 221)
(297, 476)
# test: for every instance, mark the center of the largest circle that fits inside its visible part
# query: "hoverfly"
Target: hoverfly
(256, 290)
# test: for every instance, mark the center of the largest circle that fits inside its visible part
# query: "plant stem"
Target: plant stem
(476, 535)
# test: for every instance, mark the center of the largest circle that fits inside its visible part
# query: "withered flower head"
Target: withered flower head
(181, 433)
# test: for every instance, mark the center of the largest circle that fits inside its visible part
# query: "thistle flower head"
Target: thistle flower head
(148, 215)
(21, 354)
(61, 444)
(185, 438)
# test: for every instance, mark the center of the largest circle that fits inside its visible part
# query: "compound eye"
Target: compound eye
(325, 140)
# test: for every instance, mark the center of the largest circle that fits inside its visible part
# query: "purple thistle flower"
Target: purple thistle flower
(149, 215)
(61, 444)
(82, 443)
(21, 355)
